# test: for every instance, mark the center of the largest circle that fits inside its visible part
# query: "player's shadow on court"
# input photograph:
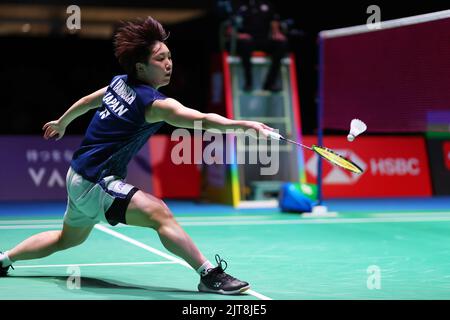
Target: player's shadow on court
(103, 286)
(107, 287)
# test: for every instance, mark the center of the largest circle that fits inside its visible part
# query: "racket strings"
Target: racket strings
(330, 155)
(337, 159)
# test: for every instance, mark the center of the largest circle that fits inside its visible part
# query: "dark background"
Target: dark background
(42, 77)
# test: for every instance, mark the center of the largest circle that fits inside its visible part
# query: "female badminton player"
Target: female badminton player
(130, 110)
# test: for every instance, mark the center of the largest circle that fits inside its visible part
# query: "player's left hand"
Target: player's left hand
(52, 129)
(259, 127)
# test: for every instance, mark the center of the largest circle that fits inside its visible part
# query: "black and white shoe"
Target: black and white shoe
(4, 270)
(217, 281)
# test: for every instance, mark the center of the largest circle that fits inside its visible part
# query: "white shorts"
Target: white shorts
(89, 203)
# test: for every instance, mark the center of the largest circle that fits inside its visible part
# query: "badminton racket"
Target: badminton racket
(328, 154)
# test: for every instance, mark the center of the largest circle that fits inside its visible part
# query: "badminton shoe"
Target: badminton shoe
(4, 270)
(217, 281)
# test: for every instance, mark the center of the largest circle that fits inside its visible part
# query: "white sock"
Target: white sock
(4, 259)
(204, 268)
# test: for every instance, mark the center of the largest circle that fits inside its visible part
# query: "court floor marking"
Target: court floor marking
(95, 264)
(410, 214)
(316, 221)
(33, 226)
(179, 218)
(141, 245)
(412, 217)
(371, 216)
(31, 221)
(231, 217)
(240, 222)
(160, 253)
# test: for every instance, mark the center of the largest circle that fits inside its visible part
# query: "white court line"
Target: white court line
(242, 217)
(167, 256)
(410, 214)
(404, 217)
(315, 221)
(180, 218)
(141, 245)
(33, 226)
(30, 221)
(258, 295)
(95, 264)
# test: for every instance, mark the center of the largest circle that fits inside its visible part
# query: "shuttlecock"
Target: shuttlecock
(356, 128)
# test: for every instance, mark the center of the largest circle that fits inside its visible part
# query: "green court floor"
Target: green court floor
(370, 250)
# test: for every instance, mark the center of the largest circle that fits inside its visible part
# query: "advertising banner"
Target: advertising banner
(439, 153)
(35, 169)
(393, 167)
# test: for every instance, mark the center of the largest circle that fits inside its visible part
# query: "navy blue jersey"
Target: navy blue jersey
(117, 131)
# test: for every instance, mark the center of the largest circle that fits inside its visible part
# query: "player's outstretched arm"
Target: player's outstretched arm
(174, 113)
(58, 127)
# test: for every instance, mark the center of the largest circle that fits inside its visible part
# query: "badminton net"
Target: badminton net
(396, 77)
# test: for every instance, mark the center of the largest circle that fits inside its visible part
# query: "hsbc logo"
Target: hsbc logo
(377, 167)
(395, 166)
(386, 170)
(333, 174)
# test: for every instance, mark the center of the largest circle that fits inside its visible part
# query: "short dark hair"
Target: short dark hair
(134, 42)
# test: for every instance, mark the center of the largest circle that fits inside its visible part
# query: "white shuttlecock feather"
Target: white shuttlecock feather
(356, 128)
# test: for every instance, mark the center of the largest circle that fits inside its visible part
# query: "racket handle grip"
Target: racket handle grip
(274, 135)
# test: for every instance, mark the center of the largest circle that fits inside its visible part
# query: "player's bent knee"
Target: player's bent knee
(72, 236)
(159, 215)
(64, 244)
(148, 211)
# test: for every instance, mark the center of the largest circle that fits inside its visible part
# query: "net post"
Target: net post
(319, 210)
(319, 119)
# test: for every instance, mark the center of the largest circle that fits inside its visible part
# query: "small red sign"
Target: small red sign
(446, 152)
(169, 179)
